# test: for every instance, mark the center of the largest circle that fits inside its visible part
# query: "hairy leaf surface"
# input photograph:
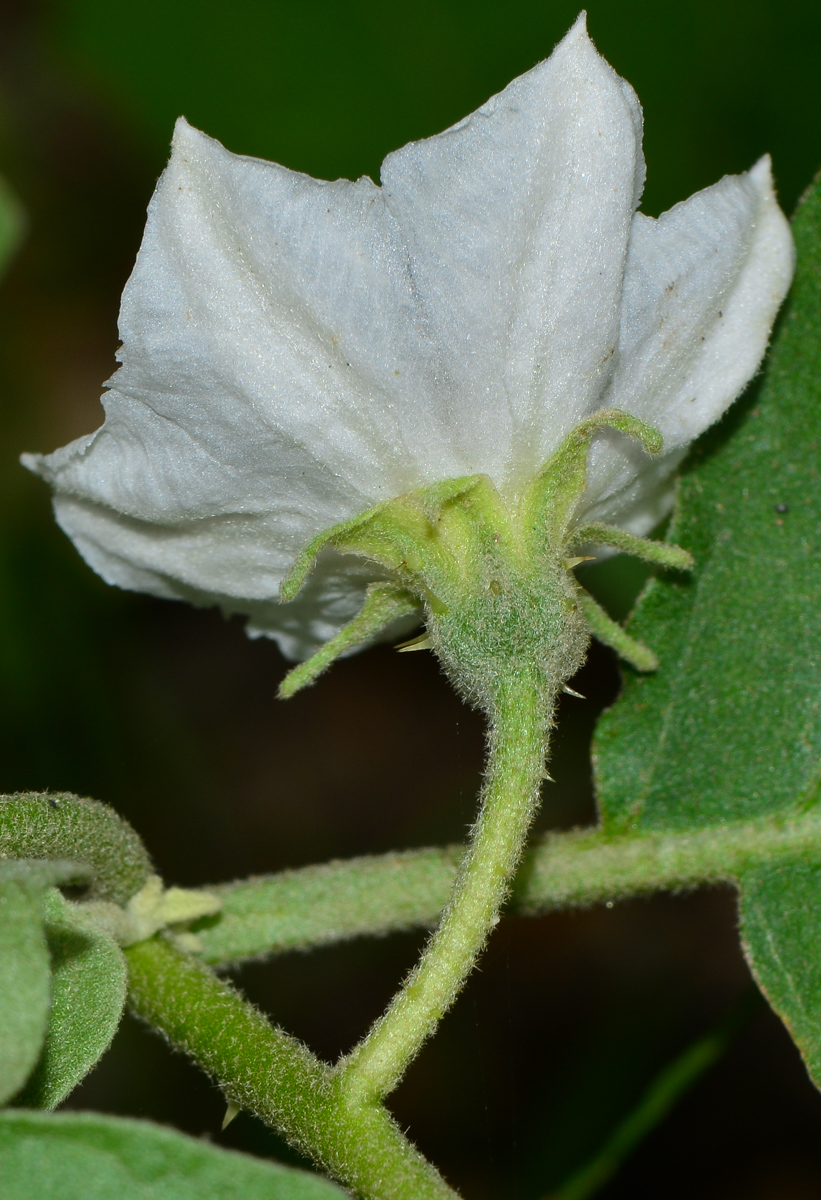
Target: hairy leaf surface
(781, 935)
(24, 967)
(730, 726)
(88, 991)
(83, 1156)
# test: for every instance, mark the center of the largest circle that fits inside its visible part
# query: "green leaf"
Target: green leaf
(24, 967)
(781, 903)
(88, 1157)
(88, 991)
(781, 936)
(729, 728)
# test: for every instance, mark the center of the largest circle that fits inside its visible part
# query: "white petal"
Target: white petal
(647, 491)
(218, 559)
(517, 222)
(702, 286)
(270, 318)
(276, 379)
(296, 351)
(174, 564)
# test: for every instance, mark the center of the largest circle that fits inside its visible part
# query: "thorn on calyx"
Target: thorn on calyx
(420, 642)
(231, 1111)
(570, 692)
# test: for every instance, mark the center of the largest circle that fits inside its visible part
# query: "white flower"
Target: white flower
(295, 351)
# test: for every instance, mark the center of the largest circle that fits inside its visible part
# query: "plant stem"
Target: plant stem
(264, 1070)
(509, 798)
(332, 902)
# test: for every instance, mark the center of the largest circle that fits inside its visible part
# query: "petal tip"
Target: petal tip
(780, 239)
(32, 462)
(181, 128)
(577, 40)
(185, 133)
(188, 140)
(578, 37)
(579, 26)
(761, 172)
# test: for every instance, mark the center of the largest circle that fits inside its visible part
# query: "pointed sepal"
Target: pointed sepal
(384, 603)
(552, 497)
(664, 554)
(606, 630)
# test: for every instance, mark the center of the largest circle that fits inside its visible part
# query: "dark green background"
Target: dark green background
(170, 714)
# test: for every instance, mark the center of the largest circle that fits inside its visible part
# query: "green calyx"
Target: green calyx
(493, 581)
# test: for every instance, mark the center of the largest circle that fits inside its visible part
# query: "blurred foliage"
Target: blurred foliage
(170, 715)
(331, 88)
(11, 225)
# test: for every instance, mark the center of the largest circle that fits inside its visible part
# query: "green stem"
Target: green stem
(514, 775)
(328, 903)
(264, 1070)
(332, 902)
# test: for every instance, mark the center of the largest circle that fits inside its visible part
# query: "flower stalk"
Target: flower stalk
(515, 772)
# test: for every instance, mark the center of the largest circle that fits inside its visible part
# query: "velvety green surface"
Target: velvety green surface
(730, 727)
(88, 988)
(781, 934)
(24, 967)
(87, 1157)
(56, 825)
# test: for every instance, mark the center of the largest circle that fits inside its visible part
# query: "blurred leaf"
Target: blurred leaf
(88, 990)
(88, 1157)
(24, 967)
(655, 1105)
(730, 727)
(11, 224)
(331, 88)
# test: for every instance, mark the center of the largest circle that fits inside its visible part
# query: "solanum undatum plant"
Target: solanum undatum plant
(404, 411)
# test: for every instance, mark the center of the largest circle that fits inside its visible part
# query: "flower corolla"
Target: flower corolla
(295, 351)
